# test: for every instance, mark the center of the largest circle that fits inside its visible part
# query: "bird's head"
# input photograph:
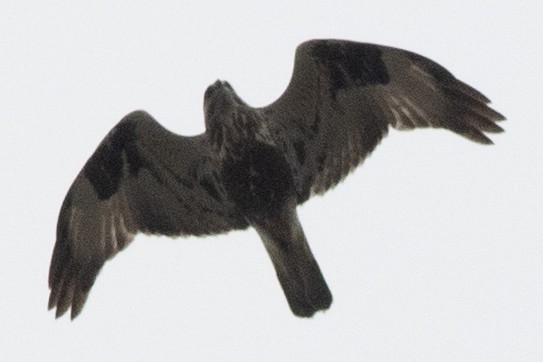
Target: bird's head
(219, 98)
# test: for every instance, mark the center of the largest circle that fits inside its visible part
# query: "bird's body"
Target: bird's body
(253, 166)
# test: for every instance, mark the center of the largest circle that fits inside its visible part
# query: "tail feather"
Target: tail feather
(297, 270)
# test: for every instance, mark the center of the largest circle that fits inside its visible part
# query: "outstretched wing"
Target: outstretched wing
(141, 178)
(343, 96)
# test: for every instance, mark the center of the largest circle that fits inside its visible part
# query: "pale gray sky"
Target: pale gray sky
(433, 249)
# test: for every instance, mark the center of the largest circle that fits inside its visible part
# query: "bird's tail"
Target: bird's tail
(297, 270)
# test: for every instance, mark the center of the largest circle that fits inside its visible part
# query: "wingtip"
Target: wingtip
(59, 312)
(481, 138)
(75, 306)
(52, 303)
(74, 314)
(499, 117)
(59, 301)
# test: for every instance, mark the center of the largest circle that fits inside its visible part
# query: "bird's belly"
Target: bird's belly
(258, 179)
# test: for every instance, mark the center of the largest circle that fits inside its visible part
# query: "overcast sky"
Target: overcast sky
(433, 249)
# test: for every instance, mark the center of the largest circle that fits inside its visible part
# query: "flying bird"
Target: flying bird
(253, 166)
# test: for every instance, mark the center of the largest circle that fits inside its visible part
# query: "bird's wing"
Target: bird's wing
(343, 96)
(141, 178)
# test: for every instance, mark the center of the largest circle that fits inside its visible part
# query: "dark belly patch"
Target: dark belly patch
(259, 181)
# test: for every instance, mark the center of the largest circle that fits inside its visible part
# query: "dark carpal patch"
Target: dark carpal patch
(105, 168)
(351, 64)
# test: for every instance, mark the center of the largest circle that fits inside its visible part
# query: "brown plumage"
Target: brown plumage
(253, 166)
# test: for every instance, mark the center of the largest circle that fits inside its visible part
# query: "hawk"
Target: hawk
(252, 167)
